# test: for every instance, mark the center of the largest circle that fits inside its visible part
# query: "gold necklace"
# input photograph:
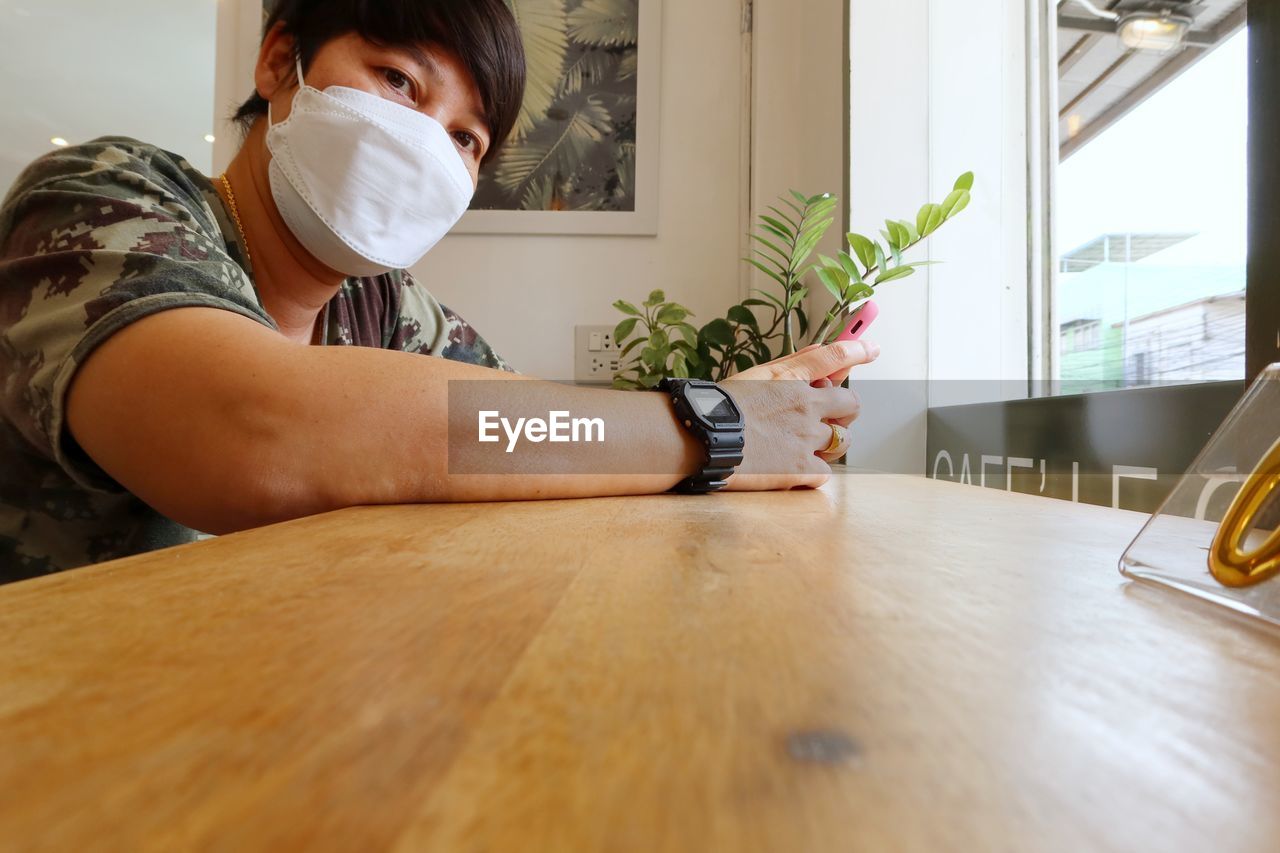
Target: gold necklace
(235, 215)
(316, 334)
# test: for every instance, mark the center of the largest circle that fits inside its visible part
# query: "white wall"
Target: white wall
(978, 326)
(798, 139)
(889, 177)
(239, 34)
(938, 88)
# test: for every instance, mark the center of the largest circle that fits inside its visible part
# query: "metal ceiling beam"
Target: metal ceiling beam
(1096, 82)
(1178, 63)
(1078, 51)
(1193, 38)
(1086, 25)
(1148, 87)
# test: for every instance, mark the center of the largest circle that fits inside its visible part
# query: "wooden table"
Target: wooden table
(886, 663)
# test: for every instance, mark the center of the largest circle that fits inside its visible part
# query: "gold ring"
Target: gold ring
(837, 438)
(1231, 562)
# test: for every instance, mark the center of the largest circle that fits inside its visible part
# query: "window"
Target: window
(1149, 197)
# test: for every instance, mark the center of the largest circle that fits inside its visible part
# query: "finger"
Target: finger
(783, 359)
(823, 361)
(836, 404)
(840, 376)
(830, 454)
(821, 383)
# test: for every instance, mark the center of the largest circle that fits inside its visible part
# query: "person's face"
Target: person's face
(429, 80)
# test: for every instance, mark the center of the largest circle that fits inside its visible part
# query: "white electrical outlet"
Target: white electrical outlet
(595, 355)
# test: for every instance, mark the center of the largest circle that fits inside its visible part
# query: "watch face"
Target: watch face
(713, 405)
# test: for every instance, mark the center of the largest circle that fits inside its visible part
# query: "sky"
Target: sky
(1176, 163)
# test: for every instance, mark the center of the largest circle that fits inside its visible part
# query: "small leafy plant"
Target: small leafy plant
(661, 342)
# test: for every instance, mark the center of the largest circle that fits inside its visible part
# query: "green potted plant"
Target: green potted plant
(657, 339)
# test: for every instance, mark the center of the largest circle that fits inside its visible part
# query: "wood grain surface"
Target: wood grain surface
(885, 663)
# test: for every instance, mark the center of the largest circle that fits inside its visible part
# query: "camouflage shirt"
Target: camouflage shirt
(92, 238)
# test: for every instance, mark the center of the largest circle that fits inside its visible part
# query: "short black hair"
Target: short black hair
(483, 33)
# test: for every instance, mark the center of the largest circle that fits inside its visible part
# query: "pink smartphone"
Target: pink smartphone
(862, 318)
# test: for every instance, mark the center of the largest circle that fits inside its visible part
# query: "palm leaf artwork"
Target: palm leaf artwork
(574, 145)
(546, 44)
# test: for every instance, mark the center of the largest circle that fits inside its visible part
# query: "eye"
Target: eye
(467, 141)
(398, 81)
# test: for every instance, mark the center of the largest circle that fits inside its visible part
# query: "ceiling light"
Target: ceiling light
(1158, 33)
(58, 141)
(209, 137)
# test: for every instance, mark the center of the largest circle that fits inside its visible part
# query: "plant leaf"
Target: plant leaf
(858, 292)
(781, 229)
(862, 248)
(950, 202)
(767, 295)
(671, 314)
(794, 299)
(782, 253)
(935, 219)
(835, 280)
(629, 347)
(913, 236)
(783, 236)
(922, 219)
(773, 275)
(895, 273)
(678, 368)
(965, 181)
(850, 268)
(627, 308)
(623, 329)
(718, 332)
(795, 226)
(742, 316)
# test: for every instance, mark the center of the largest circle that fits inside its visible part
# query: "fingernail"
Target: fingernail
(873, 350)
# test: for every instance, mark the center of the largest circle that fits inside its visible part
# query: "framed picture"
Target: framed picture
(583, 158)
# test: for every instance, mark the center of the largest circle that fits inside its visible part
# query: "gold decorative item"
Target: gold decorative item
(1217, 534)
(1231, 560)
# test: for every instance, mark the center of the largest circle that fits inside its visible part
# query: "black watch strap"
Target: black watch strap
(724, 445)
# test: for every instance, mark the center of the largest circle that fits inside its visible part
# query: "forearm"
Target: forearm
(243, 428)
(400, 428)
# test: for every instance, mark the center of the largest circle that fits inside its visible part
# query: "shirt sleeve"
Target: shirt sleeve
(93, 238)
(425, 326)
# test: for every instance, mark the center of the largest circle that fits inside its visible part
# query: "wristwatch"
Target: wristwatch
(707, 411)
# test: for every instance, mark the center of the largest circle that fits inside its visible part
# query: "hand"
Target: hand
(788, 421)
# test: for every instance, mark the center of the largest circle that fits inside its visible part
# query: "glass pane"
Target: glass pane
(75, 70)
(1150, 202)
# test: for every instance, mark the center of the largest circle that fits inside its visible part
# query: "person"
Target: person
(181, 354)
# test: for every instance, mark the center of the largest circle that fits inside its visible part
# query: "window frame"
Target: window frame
(1262, 303)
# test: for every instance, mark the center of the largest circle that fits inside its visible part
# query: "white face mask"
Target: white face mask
(365, 185)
